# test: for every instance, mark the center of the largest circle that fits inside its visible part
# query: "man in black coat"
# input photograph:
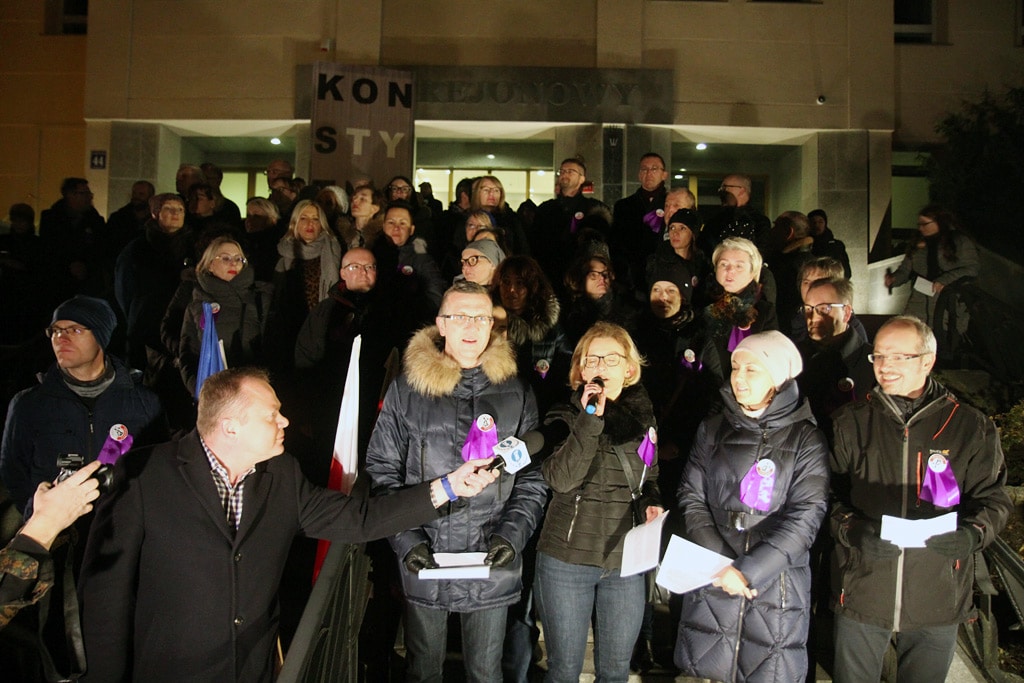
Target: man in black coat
(183, 564)
(639, 222)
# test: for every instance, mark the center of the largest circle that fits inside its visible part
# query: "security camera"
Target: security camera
(821, 99)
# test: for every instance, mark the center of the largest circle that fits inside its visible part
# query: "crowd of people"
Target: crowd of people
(705, 363)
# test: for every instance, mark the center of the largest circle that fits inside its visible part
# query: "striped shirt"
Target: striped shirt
(230, 496)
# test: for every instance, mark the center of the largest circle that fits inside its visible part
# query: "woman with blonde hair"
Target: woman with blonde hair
(603, 474)
(240, 304)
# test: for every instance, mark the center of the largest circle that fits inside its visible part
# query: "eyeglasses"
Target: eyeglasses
(646, 170)
(71, 332)
(821, 309)
(724, 187)
(460, 319)
(894, 357)
(610, 361)
(477, 226)
(471, 261)
(356, 267)
(229, 260)
(598, 274)
(490, 190)
(400, 189)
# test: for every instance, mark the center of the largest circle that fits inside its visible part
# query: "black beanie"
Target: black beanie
(88, 311)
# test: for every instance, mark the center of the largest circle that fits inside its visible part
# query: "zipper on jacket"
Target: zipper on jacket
(782, 588)
(897, 610)
(575, 513)
(92, 433)
(739, 622)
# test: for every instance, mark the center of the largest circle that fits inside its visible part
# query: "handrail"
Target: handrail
(326, 643)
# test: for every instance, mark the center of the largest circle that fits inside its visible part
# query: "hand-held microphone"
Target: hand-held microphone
(592, 402)
(513, 454)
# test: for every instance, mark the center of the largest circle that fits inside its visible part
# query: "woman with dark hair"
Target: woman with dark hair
(489, 195)
(603, 475)
(943, 255)
(401, 252)
(520, 286)
(401, 189)
(590, 282)
(680, 250)
(476, 221)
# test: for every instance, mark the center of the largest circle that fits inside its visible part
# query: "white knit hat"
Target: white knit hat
(776, 352)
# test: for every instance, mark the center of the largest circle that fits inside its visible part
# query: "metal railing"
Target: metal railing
(326, 643)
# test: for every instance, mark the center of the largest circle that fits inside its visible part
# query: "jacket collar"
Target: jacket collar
(432, 372)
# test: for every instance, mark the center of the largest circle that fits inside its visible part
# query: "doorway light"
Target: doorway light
(275, 141)
(702, 146)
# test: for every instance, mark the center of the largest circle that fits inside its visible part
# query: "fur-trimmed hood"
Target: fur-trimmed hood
(536, 328)
(431, 372)
(352, 238)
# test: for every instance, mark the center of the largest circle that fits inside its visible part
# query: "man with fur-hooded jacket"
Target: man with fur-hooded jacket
(459, 395)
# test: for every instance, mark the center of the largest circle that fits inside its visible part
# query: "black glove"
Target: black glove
(956, 544)
(499, 552)
(419, 557)
(863, 534)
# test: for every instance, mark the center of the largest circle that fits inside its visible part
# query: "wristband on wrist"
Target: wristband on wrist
(447, 486)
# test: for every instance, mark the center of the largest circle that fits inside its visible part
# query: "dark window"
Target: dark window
(66, 17)
(914, 21)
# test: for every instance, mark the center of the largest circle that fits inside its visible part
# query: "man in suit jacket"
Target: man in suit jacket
(184, 560)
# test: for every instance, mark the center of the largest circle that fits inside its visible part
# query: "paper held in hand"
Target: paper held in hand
(458, 566)
(688, 566)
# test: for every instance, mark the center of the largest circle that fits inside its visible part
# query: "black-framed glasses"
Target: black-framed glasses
(821, 309)
(610, 361)
(598, 275)
(71, 331)
(400, 189)
(365, 267)
(461, 319)
(894, 357)
(471, 261)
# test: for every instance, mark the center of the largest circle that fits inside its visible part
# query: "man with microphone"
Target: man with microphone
(459, 399)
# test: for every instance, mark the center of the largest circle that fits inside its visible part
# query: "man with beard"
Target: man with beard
(552, 236)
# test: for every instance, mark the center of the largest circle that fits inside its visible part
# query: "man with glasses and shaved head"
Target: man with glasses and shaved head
(458, 396)
(639, 221)
(912, 451)
(736, 218)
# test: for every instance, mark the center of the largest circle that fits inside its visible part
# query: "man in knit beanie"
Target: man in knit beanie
(87, 403)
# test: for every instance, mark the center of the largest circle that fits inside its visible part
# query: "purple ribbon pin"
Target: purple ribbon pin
(574, 224)
(758, 484)
(118, 442)
(647, 449)
(654, 220)
(481, 440)
(939, 486)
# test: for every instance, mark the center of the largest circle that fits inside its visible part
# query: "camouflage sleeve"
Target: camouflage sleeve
(26, 573)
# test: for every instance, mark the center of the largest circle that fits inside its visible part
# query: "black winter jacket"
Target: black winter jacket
(591, 509)
(877, 465)
(730, 638)
(419, 436)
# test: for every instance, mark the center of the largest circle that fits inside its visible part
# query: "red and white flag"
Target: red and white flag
(345, 459)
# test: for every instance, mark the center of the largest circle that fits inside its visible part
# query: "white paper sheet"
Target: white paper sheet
(458, 566)
(923, 286)
(912, 533)
(688, 566)
(642, 546)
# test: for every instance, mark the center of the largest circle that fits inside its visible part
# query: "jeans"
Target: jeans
(567, 595)
(922, 655)
(426, 643)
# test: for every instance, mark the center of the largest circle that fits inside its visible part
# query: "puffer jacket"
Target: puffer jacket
(591, 507)
(50, 419)
(877, 465)
(419, 435)
(730, 638)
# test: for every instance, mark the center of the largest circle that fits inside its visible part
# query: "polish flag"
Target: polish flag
(345, 459)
